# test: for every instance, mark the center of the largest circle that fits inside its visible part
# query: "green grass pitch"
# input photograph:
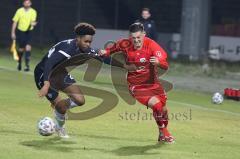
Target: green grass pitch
(202, 130)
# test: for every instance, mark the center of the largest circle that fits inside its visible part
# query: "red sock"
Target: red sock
(160, 116)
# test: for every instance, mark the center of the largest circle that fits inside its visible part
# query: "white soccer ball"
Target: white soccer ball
(46, 126)
(217, 98)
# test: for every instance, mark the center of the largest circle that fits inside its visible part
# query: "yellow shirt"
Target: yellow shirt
(24, 18)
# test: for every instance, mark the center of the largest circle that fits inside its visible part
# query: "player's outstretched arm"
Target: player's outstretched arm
(112, 61)
(119, 46)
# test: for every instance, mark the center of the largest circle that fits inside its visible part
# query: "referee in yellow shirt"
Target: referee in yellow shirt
(24, 21)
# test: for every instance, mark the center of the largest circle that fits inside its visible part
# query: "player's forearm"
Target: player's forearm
(13, 30)
(46, 84)
(109, 52)
(14, 26)
(163, 64)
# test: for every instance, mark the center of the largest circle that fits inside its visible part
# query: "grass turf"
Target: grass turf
(202, 130)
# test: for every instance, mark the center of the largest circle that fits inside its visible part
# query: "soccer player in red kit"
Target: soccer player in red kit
(143, 56)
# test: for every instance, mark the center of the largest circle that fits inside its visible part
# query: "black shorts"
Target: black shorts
(23, 38)
(58, 82)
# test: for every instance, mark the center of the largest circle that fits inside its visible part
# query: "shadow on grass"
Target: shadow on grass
(61, 145)
(55, 144)
(126, 150)
(136, 150)
(113, 138)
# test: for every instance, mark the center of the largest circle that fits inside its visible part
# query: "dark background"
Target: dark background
(56, 18)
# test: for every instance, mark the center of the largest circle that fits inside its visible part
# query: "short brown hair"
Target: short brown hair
(135, 27)
(146, 9)
(84, 29)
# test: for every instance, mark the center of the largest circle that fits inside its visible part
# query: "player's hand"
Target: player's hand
(130, 67)
(13, 36)
(33, 24)
(154, 60)
(102, 52)
(44, 90)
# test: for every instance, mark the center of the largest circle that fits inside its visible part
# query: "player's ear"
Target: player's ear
(144, 33)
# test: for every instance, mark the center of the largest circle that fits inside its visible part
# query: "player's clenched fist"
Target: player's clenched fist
(154, 60)
(102, 52)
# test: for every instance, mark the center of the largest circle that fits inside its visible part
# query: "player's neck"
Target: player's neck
(26, 8)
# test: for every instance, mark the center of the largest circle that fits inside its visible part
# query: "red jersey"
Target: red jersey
(146, 72)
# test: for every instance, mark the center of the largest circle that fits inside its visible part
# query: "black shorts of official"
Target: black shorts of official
(58, 83)
(23, 38)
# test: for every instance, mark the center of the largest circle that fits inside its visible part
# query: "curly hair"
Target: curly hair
(82, 29)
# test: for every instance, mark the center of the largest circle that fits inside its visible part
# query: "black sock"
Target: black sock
(27, 58)
(20, 53)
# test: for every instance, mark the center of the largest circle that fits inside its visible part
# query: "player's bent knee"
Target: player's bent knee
(152, 101)
(79, 100)
(28, 48)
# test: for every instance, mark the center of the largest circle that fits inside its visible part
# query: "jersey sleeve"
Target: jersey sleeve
(34, 15)
(160, 54)
(107, 60)
(120, 45)
(16, 16)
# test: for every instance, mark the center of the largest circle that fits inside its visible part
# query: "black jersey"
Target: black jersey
(62, 52)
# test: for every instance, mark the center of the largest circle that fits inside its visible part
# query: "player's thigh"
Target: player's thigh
(75, 93)
(21, 40)
(141, 97)
(52, 94)
(149, 95)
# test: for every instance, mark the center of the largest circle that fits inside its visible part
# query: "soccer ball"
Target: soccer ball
(217, 98)
(46, 126)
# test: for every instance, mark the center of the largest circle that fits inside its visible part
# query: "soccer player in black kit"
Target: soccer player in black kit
(49, 84)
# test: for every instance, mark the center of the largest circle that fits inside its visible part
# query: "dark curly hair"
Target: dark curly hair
(82, 29)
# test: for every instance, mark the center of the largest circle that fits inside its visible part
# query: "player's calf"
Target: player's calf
(160, 114)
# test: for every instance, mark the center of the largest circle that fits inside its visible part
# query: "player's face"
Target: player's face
(27, 4)
(85, 41)
(137, 39)
(146, 14)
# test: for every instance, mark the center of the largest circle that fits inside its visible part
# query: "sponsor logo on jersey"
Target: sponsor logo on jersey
(158, 53)
(142, 60)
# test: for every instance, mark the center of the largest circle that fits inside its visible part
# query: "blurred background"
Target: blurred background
(187, 29)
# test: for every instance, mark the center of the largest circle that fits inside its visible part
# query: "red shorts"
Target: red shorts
(143, 93)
